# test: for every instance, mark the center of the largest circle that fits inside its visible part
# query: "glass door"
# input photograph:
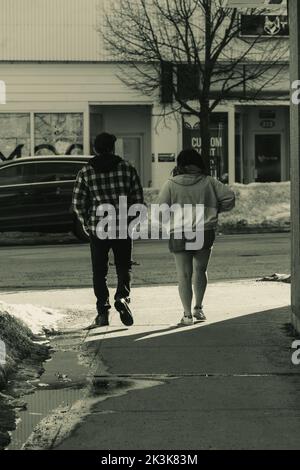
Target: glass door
(267, 157)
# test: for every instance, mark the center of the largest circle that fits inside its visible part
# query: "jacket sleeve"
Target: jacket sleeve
(225, 196)
(80, 199)
(136, 195)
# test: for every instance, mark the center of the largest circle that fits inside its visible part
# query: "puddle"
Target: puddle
(56, 388)
(39, 405)
(66, 393)
(56, 427)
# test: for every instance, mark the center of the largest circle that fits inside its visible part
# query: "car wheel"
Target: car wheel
(80, 232)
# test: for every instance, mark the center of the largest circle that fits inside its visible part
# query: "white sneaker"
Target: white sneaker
(186, 321)
(198, 314)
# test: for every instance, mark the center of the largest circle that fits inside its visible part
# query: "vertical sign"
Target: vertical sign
(218, 141)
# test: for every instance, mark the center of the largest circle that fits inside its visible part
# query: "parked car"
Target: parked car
(36, 194)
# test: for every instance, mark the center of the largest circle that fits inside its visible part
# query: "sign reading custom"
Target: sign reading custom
(218, 141)
(264, 25)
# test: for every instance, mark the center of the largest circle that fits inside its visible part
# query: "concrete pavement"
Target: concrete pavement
(225, 384)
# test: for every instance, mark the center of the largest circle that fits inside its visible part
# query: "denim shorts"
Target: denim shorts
(177, 246)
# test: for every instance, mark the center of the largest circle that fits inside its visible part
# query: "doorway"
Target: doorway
(132, 127)
(262, 134)
(130, 148)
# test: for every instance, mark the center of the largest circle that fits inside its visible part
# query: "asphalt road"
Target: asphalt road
(68, 265)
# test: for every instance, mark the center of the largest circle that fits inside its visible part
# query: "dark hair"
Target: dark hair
(189, 157)
(104, 143)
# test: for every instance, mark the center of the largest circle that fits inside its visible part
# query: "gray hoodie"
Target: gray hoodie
(195, 189)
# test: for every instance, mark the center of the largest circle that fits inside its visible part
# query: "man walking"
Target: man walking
(103, 181)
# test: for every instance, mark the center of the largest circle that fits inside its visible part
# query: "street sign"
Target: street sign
(264, 25)
(166, 157)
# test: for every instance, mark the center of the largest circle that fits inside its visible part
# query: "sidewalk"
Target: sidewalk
(225, 384)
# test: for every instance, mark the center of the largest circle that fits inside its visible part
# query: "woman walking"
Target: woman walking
(190, 184)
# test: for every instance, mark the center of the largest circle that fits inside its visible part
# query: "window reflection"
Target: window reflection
(14, 135)
(58, 133)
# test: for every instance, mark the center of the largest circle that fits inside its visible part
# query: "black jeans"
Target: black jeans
(122, 250)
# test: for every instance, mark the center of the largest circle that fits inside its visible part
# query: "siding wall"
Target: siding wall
(63, 88)
(64, 30)
(31, 86)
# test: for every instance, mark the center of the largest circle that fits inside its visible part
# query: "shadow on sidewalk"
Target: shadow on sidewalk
(226, 385)
(250, 344)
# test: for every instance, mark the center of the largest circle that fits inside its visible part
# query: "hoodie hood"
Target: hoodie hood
(106, 162)
(187, 179)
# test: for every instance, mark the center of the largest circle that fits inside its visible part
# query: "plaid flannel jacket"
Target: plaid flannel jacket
(94, 188)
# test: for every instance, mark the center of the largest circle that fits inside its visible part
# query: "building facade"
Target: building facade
(61, 89)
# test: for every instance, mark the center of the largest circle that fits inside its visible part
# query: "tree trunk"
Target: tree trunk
(205, 134)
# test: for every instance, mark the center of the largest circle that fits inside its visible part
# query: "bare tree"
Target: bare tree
(193, 53)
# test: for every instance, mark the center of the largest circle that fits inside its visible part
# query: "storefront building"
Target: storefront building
(60, 94)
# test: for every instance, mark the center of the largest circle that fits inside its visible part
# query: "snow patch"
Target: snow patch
(37, 319)
(257, 204)
(260, 204)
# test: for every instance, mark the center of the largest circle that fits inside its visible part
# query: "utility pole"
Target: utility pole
(294, 19)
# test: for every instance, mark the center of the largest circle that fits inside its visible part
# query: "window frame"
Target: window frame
(31, 135)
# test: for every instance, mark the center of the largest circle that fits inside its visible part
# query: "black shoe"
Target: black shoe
(121, 305)
(102, 320)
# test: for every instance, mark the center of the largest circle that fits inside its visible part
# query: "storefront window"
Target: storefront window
(58, 133)
(218, 139)
(14, 136)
